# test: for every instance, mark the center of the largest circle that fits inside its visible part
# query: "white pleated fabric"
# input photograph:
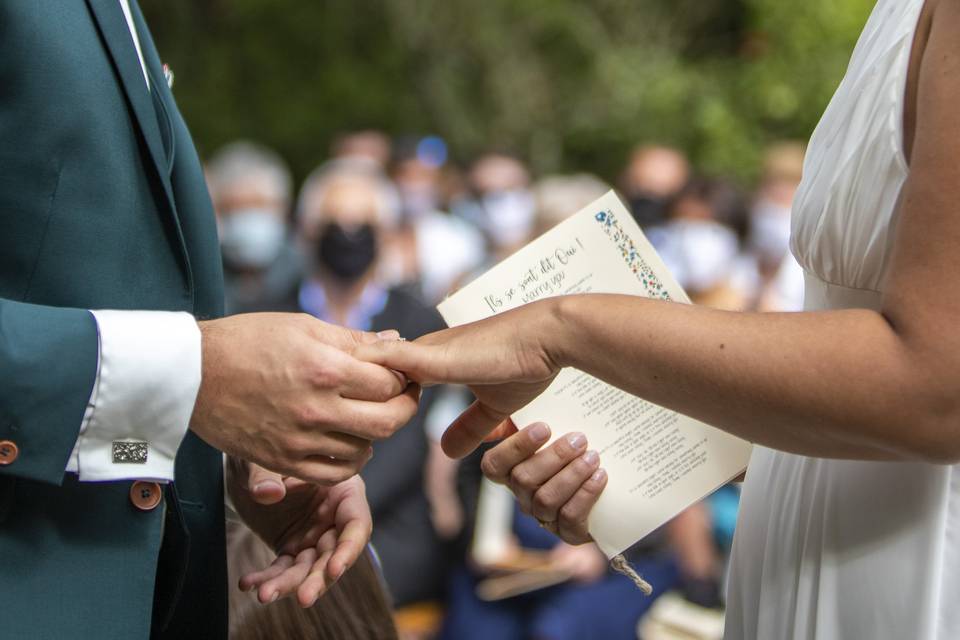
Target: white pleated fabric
(839, 549)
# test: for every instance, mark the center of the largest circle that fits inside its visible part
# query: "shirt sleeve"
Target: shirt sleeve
(147, 381)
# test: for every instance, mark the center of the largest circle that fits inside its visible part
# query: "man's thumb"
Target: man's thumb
(265, 486)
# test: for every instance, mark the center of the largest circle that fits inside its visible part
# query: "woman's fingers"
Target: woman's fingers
(470, 429)
(499, 461)
(288, 581)
(349, 545)
(572, 522)
(558, 490)
(317, 580)
(503, 430)
(316, 583)
(527, 476)
(418, 361)
(255, 579)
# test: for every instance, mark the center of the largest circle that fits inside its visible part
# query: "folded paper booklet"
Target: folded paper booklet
(659, 462)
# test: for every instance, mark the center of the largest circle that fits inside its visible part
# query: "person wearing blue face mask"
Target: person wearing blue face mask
(251, 189)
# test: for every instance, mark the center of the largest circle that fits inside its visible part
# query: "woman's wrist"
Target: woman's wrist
(556, 330)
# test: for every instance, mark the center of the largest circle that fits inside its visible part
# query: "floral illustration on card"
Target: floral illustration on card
(645, 274)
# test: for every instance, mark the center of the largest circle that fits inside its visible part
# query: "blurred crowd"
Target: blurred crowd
(378, 234)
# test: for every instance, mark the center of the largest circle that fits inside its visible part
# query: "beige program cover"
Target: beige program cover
(659, 462)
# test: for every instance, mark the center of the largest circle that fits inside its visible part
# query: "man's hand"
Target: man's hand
(318, 532)
(283, 391)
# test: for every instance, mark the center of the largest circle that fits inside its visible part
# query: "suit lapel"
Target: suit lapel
(119, 43)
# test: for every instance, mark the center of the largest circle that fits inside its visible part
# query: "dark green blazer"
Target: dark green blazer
(102, 206)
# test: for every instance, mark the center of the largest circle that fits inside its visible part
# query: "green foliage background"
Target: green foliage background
(566, 84)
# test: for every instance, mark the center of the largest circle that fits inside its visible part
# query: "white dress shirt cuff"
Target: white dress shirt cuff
(139, 411)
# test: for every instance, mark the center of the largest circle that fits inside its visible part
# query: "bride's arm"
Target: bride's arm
(852, 384)
(833, 384)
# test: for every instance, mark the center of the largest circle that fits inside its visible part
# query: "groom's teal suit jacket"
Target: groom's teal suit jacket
(102, 206)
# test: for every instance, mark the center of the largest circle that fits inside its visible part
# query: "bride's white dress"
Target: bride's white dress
(841, 549)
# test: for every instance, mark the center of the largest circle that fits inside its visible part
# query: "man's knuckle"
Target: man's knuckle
(376, 429)
(287, 448)
(309, 415)
(389, 424)
(342, 474)
(322, 477)
(304, 319)
(326, 376)
(309, 474)
(410, 408)
(388, 387)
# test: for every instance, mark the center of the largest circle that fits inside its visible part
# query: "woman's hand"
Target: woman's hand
(557, 485)
(317, 531)
(502, 359)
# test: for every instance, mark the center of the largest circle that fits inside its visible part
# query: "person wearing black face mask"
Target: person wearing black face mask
(346, 253)
(648, 210)
(653, 176)
(344, 215)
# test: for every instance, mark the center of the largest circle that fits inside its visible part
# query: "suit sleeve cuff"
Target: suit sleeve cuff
(141, 404)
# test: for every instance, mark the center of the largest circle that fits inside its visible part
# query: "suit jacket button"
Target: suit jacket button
(9, 451)
(145, 495)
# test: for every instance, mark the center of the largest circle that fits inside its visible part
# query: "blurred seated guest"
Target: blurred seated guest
(558, 197)
(443, 480)
(344, 212)
(417, 168)
(366, 146)
(430, 246)
(501, 205)
(701, 252)
(781, 278)
(251, 190)
(654, 175)
(784, 291)
(769, 235)
(700, 541)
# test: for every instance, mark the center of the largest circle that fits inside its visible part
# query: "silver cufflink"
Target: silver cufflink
(129, 452)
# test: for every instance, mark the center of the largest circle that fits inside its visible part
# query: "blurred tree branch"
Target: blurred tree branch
(566, 84)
